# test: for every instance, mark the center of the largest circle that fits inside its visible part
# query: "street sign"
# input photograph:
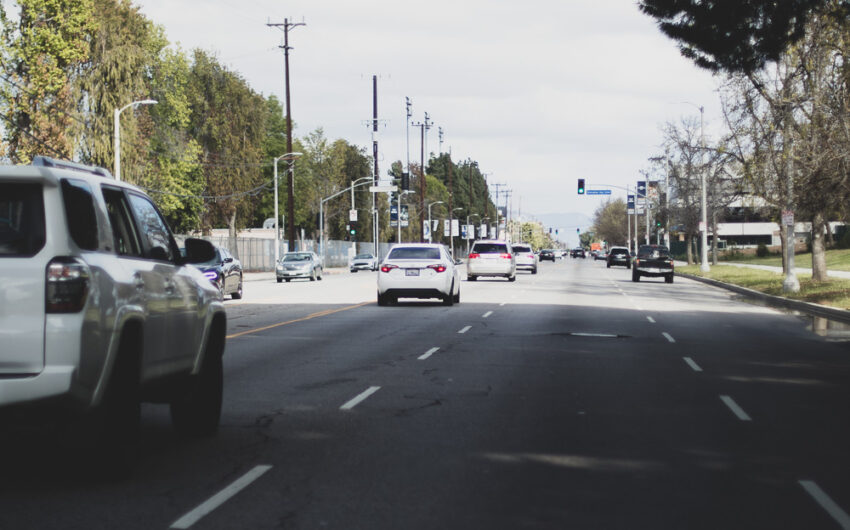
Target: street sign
(598, 192)
(383, 189)
(352, 215)
(641, 188)
(787, 218)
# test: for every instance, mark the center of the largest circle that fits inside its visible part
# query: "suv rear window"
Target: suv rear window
(414, 253)
(619, 251)
(489, 248)
(521, 248)
(21, 220)
(79, 213)
(653, 252)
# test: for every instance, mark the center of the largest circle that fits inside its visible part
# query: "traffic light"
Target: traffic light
(405, 181)
(581, 186)
(578, 231)
(556, 231)
(352, 229)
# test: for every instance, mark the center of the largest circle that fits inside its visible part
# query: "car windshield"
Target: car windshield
(414, 253)
(300, 256)
(363, 256)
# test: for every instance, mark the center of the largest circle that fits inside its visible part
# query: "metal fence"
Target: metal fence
(257, 255)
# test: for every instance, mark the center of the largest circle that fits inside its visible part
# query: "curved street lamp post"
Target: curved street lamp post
(116, 144)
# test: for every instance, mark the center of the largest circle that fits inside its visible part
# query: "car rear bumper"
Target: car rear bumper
(362, 267)
(415, 293)
(653, 271)
(485, 268)
(427, 281)
(53, 381)
(294, 274)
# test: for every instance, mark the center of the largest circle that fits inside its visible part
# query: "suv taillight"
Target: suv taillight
(474, 255)
(67, 285)
(506, 256)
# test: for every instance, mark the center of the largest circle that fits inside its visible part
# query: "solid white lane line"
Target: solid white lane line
(651, 320)
(694, 366)
(465, 329)
(428, 353)
(220, 498)
(605, 335)
(826, 503)
(736, 410)
(668, 337)
(360, 398)
(487, 314)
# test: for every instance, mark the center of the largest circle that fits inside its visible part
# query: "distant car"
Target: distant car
(600, 255)
(225, 272)
(653, 261)
(299, 265)
(619, 256)
(418, 270)
(578, 253)
(546, 254)
(363, 262)
(491, 258)
(526, 259)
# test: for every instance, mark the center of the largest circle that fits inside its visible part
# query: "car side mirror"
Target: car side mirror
(228, 260)
(458, 261)
(198, 250)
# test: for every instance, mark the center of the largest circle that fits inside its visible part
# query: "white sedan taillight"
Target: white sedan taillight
(67, 285)
(388, 268)
(438, 268)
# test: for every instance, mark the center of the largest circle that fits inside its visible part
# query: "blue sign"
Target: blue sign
(599, 192)
(641, 188)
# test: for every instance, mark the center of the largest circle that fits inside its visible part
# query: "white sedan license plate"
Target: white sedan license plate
(411, 272)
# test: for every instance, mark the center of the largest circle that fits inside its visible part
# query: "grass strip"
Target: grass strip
(833, 292)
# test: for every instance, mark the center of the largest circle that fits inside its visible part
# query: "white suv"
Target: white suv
(98, 310)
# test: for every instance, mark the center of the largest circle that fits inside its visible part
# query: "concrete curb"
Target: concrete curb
(270, 275)
(819, 310)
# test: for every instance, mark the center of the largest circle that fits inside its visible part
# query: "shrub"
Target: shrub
(761, 251)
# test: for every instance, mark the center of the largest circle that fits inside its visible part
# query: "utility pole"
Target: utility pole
(375, 157)
(451, 211)
(287, 25)
(423, 128)
(408, 104)
(497, 186)
(440, 136)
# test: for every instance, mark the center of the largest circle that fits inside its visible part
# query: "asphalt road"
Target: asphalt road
(573, 398)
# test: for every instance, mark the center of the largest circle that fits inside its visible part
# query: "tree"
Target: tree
(41, 52)
(734, 35)
(610, 223)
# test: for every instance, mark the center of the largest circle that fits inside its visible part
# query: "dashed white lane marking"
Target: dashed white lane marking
(428, 353)
(736, 410)
(487, 314)
(668, 337)
(360, 398)
(503, 303)
(826, 503)
(465, 329)
(694, 366)
(604, 335)
(220, 498)
(651, 320)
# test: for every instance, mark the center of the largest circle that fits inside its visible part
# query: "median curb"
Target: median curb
(810, 308)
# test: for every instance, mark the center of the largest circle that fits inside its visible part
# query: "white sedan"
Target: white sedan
(418, 270)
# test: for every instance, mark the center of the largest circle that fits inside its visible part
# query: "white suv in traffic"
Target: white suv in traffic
(98, 309)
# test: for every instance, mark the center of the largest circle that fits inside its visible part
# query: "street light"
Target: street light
(429, 218)
(451, 231)
(291, 158)
(398, 215)
(473, 230)
(117, 132)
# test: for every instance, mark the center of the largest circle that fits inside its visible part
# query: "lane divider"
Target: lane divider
(651, 320)
(220, 498)
(428, 353)
(487, 314)
(694, 366)
(736, 410)
(668, 337)
(359, 398)
(826, 502)
(308, 317)
(465, 329)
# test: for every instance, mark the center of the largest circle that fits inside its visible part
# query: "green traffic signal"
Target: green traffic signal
(581, 186)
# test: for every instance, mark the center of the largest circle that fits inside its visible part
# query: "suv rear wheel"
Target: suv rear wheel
(635, 276)
(197, 411)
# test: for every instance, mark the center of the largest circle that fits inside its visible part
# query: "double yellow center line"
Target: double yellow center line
(308, 317)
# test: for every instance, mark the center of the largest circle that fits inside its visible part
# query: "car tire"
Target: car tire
(353, 270)
(313, 275)
(321, 274)
(668, 278)
(534, 270)
(457, 297)
(635, 276)
(449, 299)
(512, 278)
(471, 278)
(628, 265)
(608, 265)
(382, 300)
(287, 280)
(237, 295)
(197, 411)
(279, 280)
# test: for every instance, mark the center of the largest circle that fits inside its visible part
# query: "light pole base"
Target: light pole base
(704, 267)
(791, 284)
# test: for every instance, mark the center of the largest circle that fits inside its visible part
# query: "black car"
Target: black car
(225, 272)
(619, 256)
(547, 254)
(653, 261)
(578, 253)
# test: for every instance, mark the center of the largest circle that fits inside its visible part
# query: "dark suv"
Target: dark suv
(619, 256)
(653, 261)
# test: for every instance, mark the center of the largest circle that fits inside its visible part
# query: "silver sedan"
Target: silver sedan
(299, 265)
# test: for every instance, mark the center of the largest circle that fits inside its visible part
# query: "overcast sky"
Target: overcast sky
(539, 92)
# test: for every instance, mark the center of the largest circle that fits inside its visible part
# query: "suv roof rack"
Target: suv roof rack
(46, 161)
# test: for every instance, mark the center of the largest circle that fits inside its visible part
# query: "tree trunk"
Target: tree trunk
(690, 242)
(818, 249)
